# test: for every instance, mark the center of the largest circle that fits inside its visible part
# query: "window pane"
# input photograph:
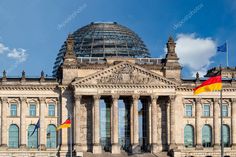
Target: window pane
(32, 138)
(13, 110)
(206, 136)
(188, 110)
(225, 110)
(51, 110)
(226, 136)
(188, 136)
(32, 111)
(51, 136)
(206, 110)
(13, 136)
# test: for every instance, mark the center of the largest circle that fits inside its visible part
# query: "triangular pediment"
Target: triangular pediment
(127, 74)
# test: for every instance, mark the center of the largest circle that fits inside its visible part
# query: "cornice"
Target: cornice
(27, 87)
(117, 86)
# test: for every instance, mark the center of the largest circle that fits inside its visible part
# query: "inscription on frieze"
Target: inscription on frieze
(124, 92)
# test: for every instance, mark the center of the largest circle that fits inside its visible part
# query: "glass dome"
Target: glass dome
(105, 40)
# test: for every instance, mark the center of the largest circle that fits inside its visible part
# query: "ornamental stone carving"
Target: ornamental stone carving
(125, 75)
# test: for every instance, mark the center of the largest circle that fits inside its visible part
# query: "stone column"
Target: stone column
(77, 121)
(4, 126)
(150, 122)
(65, 110)
(154, 123)
(1, 121)
(23, 127)
(135, 122)
(198, 130)
(159, 119)
(43, 127)
(233, 123)
(216, 126)
(172, 121)
(114, 116)
(96, 125)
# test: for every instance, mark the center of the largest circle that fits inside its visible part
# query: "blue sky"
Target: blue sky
(32, 31)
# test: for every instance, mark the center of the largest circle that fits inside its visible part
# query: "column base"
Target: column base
(23, 146)
(199, 147)
(42, 147)
(173, 146)
(233, 146)
(154, 148)
(216, 146)
(97, 149)
(115, 149)
(3, 147)
(136, 149)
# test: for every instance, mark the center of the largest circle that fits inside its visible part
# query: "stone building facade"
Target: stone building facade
(118, 102)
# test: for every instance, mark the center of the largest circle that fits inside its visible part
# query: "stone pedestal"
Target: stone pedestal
(199, 147)
(216, 147)
(97, 149)
(136, 149)
(154, 149)
(115, 149)
(42, 147)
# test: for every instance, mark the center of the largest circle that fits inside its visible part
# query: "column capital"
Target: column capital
(215, 100)
(172, 98)
(198, 100)
(42, 99)
(135, 97)
(154, 97)
(78, 97)
(4, 99)
(233, 100)
(23, 99)
(115, 97)
(96, 97)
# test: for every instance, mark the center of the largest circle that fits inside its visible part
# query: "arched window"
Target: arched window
(32, 137)
(13, 136)
(226, 135)
(188, 136)
(206, 136)
(51, 136)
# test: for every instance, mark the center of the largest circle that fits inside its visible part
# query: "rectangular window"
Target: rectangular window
(225, 110)
(13, 110)
(206, 110)
(32, 111)
(51, 110)
(188, 110)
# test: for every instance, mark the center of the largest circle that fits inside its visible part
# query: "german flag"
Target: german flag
(212, 84)
(66, 124)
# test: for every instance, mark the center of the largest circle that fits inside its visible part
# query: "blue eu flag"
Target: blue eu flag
(222, 48)
(36, 127)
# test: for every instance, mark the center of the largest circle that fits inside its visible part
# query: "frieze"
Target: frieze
(124, 74)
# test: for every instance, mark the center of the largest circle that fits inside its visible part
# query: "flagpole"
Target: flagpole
(227, 54)
(71, 136)
(221, 121)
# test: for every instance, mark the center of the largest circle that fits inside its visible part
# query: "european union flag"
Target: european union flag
(222, 48)
(36, 127)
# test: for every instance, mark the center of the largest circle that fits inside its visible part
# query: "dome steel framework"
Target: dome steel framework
(104, 40)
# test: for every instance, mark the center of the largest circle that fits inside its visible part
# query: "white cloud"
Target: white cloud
(19, 54)
(195, 52)
(3, 48)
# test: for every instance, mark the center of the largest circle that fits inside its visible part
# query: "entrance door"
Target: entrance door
(124, 125)
(143, 125)
(105, 125)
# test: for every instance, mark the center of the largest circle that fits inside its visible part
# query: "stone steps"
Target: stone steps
(125, 154)
(122, 154)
